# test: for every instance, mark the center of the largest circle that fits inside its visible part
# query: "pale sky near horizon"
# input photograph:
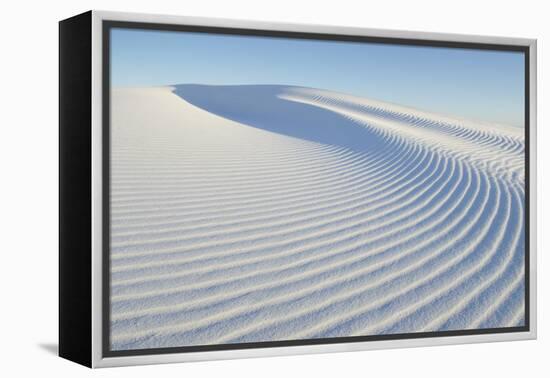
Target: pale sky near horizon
(478, 84)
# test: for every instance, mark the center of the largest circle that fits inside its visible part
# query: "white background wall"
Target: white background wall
(28, 200)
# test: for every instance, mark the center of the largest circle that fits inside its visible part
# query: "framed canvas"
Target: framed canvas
(236, 189)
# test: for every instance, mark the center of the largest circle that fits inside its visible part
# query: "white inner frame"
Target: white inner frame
(97, 203)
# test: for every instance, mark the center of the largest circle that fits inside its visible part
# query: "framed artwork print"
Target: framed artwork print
(235, 189)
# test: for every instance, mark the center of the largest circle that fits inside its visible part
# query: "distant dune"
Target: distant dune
(263, 213)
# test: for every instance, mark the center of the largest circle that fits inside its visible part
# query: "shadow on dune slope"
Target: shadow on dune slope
(260, 106)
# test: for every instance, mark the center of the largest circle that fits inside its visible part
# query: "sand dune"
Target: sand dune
(262, 213)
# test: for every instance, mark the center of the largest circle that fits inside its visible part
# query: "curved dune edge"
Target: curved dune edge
(233, 224)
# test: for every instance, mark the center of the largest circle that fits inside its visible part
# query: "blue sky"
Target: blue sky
(478, 84)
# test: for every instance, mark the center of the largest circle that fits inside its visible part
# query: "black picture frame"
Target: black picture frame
(76, 175)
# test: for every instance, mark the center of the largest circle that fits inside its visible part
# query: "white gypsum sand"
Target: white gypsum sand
(266, 213)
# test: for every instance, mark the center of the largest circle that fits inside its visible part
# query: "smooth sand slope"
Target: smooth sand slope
(262, 213)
